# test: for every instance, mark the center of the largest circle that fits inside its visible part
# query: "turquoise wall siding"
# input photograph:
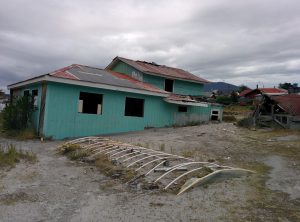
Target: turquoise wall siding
(36, 112)
(179, 87)
(62, 119)
(155, 80)
(188, 88)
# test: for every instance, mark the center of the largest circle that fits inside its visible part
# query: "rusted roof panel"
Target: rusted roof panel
(290, 103)
(162, 70)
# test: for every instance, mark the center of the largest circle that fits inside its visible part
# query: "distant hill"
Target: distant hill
(222, 87)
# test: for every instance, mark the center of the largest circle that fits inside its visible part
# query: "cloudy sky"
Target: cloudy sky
(241, 42)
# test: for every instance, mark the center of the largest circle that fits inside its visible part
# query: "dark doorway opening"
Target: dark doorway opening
(169, 85)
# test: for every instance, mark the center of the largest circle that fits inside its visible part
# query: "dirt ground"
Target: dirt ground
(58, 189)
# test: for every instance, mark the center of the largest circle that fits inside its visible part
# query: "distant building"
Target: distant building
(282, 109)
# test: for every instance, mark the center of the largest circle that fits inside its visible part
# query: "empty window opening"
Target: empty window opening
(26, 92)
(34, 97)
(182, 109)
(134, 107)
(169, 85)
(284, 120)
(214, 115)
(90, 103)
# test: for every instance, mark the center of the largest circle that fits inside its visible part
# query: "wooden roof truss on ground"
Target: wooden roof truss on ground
(146, 162)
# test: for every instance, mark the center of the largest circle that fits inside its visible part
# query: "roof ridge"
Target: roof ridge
(161, 70)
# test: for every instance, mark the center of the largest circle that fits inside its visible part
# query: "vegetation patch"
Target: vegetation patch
(113, 170)
(13, 198)
(9, 156)
(15, 119)
(73, 151)
(229, 118)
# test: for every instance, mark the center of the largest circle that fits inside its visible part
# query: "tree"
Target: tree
(286, 85)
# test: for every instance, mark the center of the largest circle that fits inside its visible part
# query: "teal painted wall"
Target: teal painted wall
(36, 112)
(62, 119)
(179, 87)
(188, 88)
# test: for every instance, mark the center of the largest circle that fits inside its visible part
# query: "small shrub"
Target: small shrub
(225, 100)
(17, 114)
(77, 154)
(67, 148)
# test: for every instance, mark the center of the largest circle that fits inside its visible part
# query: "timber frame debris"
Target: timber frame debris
(146, 162)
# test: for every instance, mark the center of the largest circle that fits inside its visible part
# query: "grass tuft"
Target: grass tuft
(9, 156)
(72, 151)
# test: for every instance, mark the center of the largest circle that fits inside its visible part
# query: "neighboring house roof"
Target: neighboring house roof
(290, 103)
(266, 91)
(271, 91)
(220, 86)
(244, 92)
(160, 70)
(83, 75)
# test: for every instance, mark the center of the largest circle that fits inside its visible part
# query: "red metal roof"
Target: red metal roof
(64, 73)
(162, 70)
(272, 90)
(290, 103)
(267, 91)
(244, 92)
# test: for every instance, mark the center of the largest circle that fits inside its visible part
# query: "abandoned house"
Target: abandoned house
(283, 110)
(127, 96)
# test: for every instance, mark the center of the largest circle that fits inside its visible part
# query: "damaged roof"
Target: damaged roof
(290, 103)
(160, 70)
(80, 74)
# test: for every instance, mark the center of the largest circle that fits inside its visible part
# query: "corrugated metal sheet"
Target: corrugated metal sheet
(95, 75)
(290, 103)
(161, 70)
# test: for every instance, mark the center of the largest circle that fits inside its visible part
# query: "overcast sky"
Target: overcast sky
(240, 42)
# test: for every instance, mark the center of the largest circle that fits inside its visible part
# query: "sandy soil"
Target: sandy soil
(57, 189)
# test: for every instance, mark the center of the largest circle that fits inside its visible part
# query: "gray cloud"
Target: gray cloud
(235, 41)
